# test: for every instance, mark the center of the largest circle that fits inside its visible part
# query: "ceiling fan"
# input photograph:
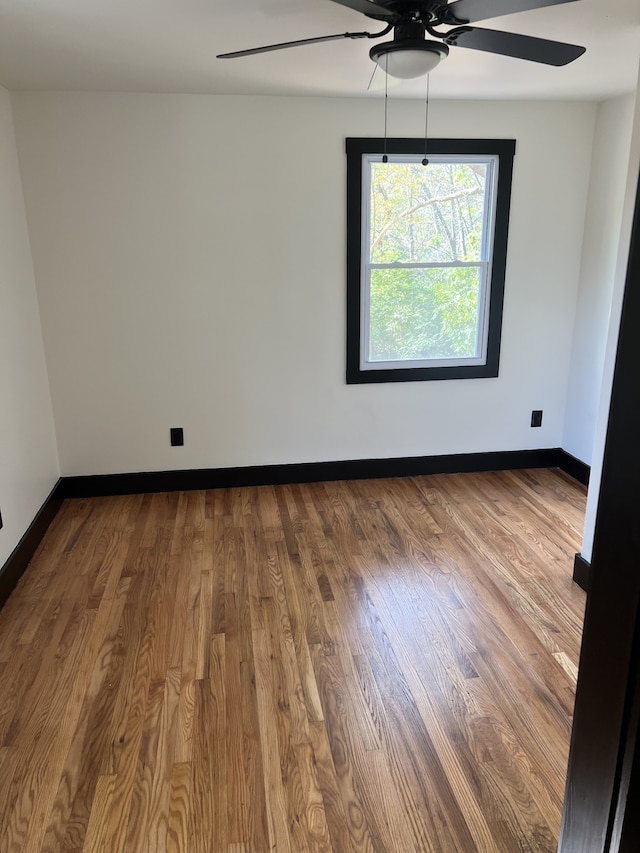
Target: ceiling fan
(410, 54)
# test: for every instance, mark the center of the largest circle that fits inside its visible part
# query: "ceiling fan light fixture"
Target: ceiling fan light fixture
(408, 59)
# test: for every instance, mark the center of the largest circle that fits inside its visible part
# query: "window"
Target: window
(426, 252)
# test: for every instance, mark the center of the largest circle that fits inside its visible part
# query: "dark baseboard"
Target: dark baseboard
(102, 485)
(580, 471)
(582, 572)
(308, 472)
(19, 559)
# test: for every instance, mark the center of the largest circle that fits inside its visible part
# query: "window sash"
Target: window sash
(368, 363)
(483, 264)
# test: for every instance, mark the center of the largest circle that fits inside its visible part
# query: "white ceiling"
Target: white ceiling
(170, 46)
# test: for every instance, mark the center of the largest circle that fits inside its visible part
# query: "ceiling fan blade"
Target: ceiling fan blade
(285, 44)
(470, 11)
(368, 7)
(518, 46)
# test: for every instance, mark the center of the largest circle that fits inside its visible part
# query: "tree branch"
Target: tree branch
(439, 200)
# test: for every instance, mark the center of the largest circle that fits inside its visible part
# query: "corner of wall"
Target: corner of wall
(28, 451)
(622, 260)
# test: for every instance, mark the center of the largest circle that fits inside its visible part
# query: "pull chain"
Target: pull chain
(425, 162)
(385, 159)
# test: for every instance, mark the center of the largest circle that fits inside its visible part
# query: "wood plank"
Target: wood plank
(208, 808)
(179, 809)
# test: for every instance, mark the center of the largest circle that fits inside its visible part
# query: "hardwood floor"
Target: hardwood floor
(354, 666)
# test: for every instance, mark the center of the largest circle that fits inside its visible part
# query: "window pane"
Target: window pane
(423, 313)
(427, 214)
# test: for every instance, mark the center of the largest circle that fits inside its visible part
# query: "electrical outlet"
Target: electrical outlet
(177, 436)
(536, 418)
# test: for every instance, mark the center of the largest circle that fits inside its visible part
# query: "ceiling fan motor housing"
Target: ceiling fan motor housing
(409, 31)
(430, 12)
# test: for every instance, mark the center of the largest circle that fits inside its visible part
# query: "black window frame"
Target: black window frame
(356, 147)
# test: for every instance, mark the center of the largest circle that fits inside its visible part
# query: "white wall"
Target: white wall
(622, 259)
(28, 458)
(610, 163)
(190, 259)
